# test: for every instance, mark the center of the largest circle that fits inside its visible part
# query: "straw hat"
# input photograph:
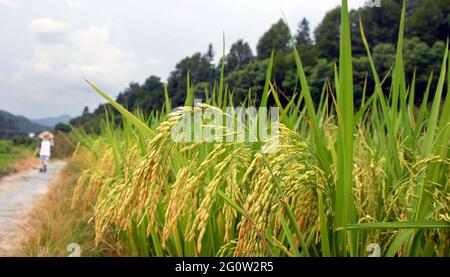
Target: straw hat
(46, 135)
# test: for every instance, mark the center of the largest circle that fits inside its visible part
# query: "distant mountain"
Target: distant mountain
(11, 125)
(52, 121)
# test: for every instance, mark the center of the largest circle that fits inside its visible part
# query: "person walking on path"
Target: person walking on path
(45, 149)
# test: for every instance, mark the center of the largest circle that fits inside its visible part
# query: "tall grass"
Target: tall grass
(14, 157)
(342, 179)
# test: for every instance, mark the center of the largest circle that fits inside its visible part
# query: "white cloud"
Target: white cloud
(57, 69)
(94, 56)
(289, 5)
(153, 61)
(73, 3)
(8, 3)
(87, 53)
(48, 30)
(48, 26)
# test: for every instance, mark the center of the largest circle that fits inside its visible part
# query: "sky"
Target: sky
(48, 47)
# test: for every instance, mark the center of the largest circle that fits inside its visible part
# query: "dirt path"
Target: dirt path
(18, 193)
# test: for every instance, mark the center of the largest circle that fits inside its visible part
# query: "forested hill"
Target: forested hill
(12, 125)
(426, 30)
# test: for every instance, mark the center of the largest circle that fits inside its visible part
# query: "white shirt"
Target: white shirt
(45, 148)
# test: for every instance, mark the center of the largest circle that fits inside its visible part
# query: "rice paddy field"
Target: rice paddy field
(346, 179)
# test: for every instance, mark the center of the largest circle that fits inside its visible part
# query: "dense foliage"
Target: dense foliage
(427, 26)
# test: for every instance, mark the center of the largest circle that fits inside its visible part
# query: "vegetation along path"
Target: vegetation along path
(18, 193)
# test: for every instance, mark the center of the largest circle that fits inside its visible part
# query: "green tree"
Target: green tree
(411, 7)
(148, 97)
(85, 110)
(417, 55)
(303, 36)
(210, 53)
(290, 83)
(200, 68)
(239, 56)
(61, 127)
(327, 34)
(277, 37)
(252, 76)
(384, 57)
(152, 94)
(431, 21)
(424, 59)
(437, 52)
(318, 75)
(380, 24)
(129, 96)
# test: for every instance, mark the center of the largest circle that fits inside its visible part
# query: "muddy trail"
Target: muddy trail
(18, 193)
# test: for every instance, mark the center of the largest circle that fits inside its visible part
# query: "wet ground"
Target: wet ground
(18, 193)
